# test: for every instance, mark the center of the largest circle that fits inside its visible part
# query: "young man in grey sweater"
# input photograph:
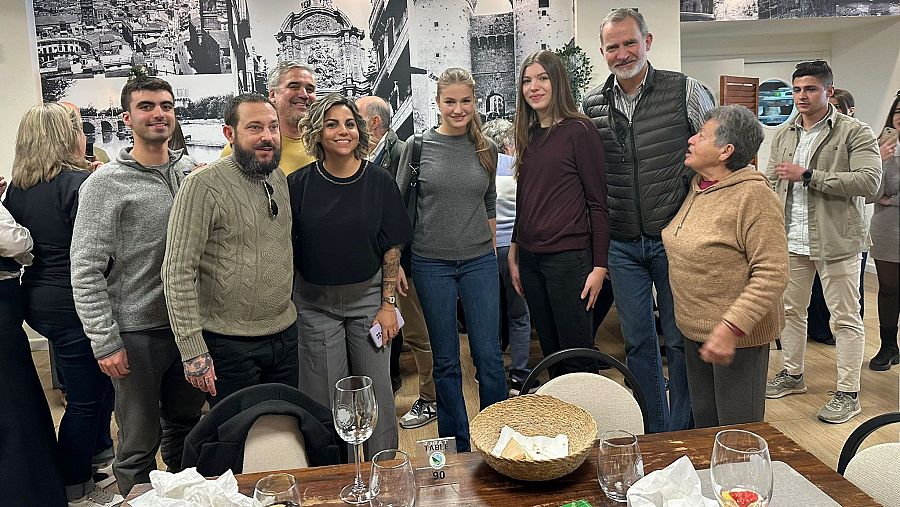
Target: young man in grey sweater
(118, 244)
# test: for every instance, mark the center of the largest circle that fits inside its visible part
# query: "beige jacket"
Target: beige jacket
(846, 169)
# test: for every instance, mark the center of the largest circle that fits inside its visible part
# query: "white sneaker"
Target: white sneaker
(98, 498)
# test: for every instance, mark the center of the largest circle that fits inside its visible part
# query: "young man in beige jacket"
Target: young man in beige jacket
(823, 165)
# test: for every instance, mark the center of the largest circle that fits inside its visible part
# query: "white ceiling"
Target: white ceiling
(776, 26)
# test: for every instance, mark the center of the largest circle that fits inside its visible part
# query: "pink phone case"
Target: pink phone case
(375, 332)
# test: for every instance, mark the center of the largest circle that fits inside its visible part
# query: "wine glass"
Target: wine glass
(393, 482)
(741, 469)
(276, 489)
(355, 414)
(619, 463)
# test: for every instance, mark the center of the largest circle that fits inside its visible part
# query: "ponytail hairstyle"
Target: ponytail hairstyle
(456, 75)
(562, 104)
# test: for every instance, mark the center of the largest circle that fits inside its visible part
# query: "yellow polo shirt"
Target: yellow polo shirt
(293, 154)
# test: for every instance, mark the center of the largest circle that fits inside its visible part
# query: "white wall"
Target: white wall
(18, 67)
(662, 19)
(867, 63)
(708, 70)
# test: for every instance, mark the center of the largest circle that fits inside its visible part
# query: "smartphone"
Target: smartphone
(889, 134)
(376, 334)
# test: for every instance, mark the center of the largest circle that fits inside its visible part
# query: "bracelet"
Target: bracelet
(380, 308)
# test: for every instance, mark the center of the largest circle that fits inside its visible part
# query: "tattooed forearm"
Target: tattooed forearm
(389, 270)
(198, 366)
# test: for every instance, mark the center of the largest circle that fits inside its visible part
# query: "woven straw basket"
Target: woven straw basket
(531, 415)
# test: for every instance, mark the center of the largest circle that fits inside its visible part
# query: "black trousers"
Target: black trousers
(553, 285)
(244, 361)
(30, 471)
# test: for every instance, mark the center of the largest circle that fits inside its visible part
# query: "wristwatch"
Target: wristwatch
(389, 300)
(807, 175)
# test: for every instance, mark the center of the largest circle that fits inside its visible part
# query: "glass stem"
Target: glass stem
(358, 483)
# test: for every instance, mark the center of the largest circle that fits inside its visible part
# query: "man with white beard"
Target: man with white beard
(645, 117)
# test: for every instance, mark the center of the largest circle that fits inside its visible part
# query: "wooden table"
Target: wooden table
(479, 484)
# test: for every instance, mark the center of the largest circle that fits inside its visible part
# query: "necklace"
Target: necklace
(329, 179)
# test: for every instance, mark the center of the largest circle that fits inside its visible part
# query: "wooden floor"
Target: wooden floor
(795, 415)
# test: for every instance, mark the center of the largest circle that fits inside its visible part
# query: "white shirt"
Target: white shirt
(798, 221)
(15, 242)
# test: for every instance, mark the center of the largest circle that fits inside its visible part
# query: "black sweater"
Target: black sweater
(48, 210)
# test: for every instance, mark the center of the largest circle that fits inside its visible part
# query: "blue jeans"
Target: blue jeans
(476, 283)
(84, 429)
(516, 319)
(634, 268)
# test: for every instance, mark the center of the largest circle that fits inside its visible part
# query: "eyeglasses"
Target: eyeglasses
(273, 206)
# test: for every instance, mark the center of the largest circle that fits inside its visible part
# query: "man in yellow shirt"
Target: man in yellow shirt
(292, 88)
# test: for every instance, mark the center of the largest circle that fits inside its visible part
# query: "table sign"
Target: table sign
(437, 472)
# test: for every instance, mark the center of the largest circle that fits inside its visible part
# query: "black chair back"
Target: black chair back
(859, 434)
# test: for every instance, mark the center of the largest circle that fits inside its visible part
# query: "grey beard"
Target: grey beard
(249, 165)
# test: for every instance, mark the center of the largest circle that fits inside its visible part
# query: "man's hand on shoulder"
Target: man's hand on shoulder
(201, 374)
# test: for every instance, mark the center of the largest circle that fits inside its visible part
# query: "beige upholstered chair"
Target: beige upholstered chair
(613, 406)
(876, 470)
(274, 442)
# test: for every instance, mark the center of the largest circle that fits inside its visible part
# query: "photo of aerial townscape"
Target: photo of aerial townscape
(210, 49)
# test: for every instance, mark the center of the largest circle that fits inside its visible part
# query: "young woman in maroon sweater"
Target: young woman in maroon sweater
(560, 242)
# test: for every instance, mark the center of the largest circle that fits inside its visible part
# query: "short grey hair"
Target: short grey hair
(377, 106)
(500, 131)
(621, 14)
(283, 68)
(739, 127)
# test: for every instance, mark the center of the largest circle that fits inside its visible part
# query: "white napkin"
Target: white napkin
(677, 485)
(537, 448)
(190, 489)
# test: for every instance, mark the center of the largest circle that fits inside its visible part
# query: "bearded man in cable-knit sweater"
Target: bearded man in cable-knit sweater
(228, 267)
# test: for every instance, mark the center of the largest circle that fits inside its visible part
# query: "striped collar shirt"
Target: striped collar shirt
(698, 100)
(798, 221)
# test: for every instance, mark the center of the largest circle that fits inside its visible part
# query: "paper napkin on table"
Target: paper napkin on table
(536, 448)
(677, 485)
(190, 489)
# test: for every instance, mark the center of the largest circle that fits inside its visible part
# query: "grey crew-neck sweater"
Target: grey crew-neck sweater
(457, 197)
(229, 264)
(118, 242)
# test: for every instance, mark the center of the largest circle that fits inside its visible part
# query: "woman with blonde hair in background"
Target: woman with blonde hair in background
(48, 171)
(453, 249)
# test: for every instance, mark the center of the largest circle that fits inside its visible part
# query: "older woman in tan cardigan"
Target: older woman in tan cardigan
(728, 267)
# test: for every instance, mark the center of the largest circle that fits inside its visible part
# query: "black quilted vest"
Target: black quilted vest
(645, 172)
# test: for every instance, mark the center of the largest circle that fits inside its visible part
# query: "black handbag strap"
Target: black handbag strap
(412, 196)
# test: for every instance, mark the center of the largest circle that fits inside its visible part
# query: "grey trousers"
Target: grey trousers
(334, 323)
(733, 394)
(155, 406)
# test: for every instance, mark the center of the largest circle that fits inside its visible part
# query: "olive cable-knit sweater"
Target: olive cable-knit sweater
(728, 259)
(229, 264)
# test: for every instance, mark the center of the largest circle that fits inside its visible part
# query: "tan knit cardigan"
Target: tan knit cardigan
(728, 259)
